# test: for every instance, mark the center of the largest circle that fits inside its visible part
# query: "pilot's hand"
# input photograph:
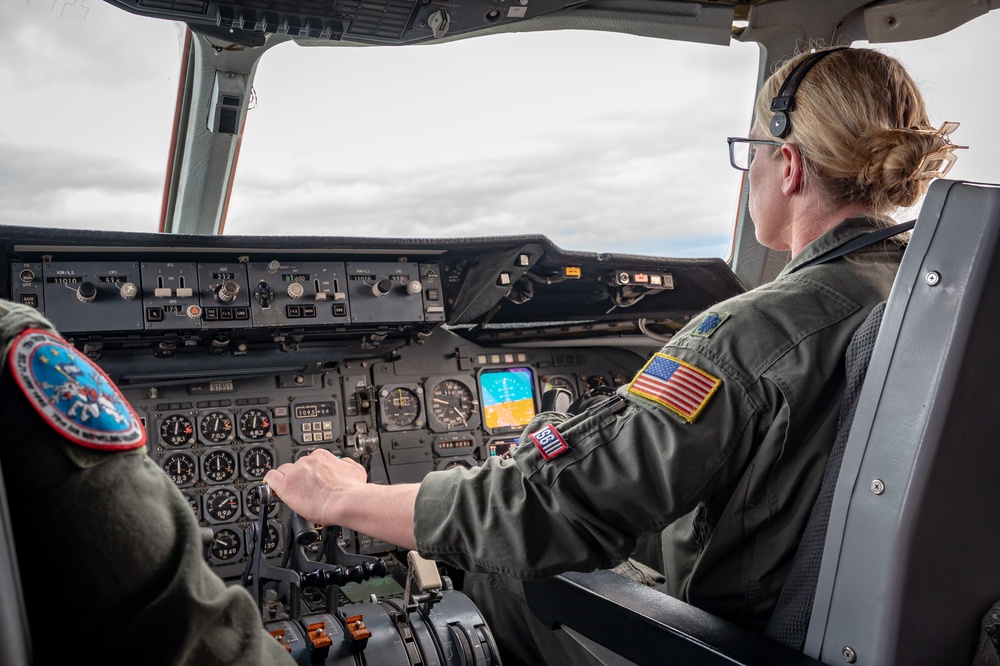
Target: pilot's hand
(315, 485)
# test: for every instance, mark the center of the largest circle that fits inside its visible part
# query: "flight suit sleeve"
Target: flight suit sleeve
(630, 466)
(111, 557)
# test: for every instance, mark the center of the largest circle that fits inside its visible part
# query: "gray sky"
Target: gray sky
(602, 142)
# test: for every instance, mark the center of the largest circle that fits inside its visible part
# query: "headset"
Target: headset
(784, 102)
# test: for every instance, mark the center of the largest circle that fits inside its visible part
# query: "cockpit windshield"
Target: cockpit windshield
(601, 141)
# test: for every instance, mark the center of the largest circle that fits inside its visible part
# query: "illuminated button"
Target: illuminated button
(327, 425)
(327, 436)
(307, 427)
(504, 279)
(656, 280)
(307, 437)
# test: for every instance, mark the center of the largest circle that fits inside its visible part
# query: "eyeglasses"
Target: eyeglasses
(741, 150)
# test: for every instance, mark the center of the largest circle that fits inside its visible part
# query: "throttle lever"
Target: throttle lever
(260, 570)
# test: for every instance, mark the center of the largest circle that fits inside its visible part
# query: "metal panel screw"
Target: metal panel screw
(848, 654)
(878, 487)
(932, 278)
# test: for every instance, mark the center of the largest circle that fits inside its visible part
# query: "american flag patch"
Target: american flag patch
(549, 442)
(678, 386)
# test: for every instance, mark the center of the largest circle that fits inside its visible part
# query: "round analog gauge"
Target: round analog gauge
(176, 430)
(194, 502)
(253, 503)
(257, 461)
(559, 382)
(180, 467)
(400, 406)
(216, 427)
(219, 466)
(222, 504)
(255, 424)
(271, 540)
(453, 404)
(226, 545)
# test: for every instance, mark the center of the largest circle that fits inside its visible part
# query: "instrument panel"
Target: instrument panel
(443, 404)
(409, 356)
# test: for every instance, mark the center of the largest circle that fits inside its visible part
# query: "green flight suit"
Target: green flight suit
(730, 483)
(110, 555)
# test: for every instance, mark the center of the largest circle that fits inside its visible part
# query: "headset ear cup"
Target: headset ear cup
(784, 102)
(779, 125)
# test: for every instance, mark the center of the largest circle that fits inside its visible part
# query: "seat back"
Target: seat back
(15, 640)
(790, 621)
(909, 563)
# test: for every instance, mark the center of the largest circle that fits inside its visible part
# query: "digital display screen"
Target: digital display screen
(508, 397)
(503, 448)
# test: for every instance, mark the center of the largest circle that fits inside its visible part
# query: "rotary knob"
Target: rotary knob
(228, 290)
(128, 291)
(295, 290)
(414, 288)
(382, 287)
(86, 292)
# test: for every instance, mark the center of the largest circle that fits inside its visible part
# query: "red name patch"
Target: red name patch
(549, 442)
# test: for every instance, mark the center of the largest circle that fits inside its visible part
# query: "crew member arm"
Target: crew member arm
(630, 468)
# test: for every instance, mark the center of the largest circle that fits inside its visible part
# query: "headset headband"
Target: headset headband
(784, 102)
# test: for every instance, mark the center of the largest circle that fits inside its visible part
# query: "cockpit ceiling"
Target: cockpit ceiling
(409, 21)
(387, 22)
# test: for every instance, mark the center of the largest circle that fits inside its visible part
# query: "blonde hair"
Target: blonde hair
(862, 127)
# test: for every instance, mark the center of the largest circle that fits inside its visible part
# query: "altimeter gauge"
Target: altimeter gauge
(453, 404)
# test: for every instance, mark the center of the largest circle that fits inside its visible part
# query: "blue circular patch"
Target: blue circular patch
(72, 394)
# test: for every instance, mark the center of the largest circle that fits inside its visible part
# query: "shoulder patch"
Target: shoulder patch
(710, 324)
(72, 394)
(680, 387)
(549, 442)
